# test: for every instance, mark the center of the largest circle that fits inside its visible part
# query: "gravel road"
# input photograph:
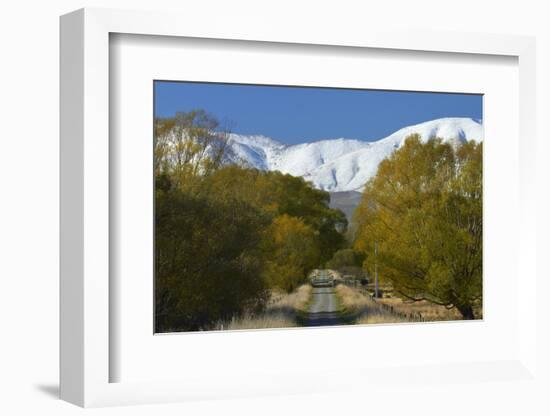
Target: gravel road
(323, 310)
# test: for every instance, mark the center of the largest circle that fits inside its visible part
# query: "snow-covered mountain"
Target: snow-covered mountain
(342, 164)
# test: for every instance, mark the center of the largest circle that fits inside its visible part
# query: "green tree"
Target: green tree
(292, 251)
(208, 267)
(346, 260)
(278, 194)
(207, 263)
(423, 210)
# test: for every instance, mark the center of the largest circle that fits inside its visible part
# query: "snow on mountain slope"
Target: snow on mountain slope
(254, 151)
(299, 160)
(342, 164)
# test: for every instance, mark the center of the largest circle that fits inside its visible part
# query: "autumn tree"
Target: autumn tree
(423, 211)
(292, 250)
(189, 145)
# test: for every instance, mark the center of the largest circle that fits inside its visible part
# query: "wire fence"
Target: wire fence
(382, 307)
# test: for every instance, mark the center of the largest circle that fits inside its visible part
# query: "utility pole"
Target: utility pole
(376, 290)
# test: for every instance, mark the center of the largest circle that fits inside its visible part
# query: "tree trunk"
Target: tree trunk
(466, 311)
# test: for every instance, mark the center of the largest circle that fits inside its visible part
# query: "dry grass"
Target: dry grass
(381, 317)
(280, 312)
(263, 321)
(428, 311)
(352, 300)
(296, 300)
(366, 309)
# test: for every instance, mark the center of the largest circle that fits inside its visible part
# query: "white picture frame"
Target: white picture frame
(85, 353)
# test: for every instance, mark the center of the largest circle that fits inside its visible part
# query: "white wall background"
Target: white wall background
(29, 57)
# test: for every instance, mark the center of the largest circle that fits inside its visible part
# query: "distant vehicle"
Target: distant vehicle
(364, 282)
(322, 279)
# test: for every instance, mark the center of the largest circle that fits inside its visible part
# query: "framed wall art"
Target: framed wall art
(262, 211)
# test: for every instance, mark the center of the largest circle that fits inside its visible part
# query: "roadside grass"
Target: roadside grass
(297, 300)
(281, 312)
(364, 309)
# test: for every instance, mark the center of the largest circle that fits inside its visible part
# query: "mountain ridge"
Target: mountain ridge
(339, 165)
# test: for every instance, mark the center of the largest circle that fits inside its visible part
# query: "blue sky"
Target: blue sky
(296, 114)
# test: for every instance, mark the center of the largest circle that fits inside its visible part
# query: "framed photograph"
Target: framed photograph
(253, 232)
(255, 215)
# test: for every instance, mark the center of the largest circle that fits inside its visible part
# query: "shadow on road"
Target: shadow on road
(320, 319)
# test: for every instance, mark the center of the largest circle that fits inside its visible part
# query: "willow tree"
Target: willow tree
(423, 212)
(206, 248)
(188, 146)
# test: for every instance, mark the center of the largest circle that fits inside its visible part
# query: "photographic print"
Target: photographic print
(289, 206)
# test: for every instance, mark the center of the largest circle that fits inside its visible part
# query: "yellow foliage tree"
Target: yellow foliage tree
(423, 211)
(291, 249)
